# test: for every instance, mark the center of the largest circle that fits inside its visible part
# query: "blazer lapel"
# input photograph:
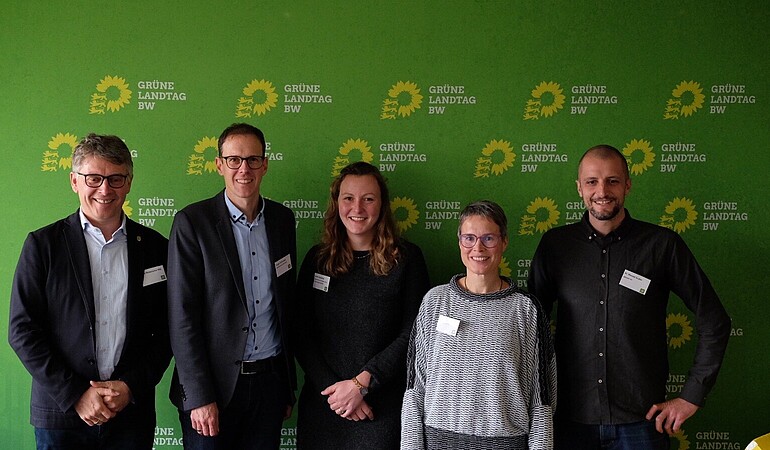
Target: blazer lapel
(81, 265)
(135, 275)
(227, 238)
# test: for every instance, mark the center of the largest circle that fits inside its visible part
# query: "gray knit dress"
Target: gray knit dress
(362, 323)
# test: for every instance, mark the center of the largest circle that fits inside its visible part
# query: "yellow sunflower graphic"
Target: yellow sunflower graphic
(203, 159)
(127, 209)
(504, 161)
(685, 330)
(403, 99)
(505, 267)
(638, 166)
(682, 442)
(411, 214)
(344, 159)
(687, 98)
(111, 99)
(540, 104)
(542, 215)
(680, 215)
(265, 99)
(59, 154)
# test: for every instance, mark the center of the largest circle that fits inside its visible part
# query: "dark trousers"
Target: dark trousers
(629, 436)
(252, 420)
(131, 429)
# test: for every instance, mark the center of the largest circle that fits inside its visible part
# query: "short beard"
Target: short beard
(605, 216)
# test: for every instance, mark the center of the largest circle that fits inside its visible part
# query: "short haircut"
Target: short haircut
(604, 151)
(487, 209)
(238, 129)
(108, 147)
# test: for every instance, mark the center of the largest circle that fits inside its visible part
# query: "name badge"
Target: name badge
(321, 282)
(635, 282)
(447, 325)
(283, 265)
(153, 275)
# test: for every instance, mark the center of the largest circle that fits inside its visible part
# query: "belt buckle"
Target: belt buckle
(243, 369)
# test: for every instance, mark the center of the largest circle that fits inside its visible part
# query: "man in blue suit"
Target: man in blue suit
(232, 275)
(88, 315)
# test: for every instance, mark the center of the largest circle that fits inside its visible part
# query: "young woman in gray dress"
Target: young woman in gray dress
(358, 293)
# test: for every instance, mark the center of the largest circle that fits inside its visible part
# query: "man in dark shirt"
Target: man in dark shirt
(611, 276)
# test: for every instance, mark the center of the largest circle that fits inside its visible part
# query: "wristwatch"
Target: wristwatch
(361, 388)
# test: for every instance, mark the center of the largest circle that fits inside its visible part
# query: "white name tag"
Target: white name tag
(447, 325)
(635, 282)
(153, 275)
(321, 282)
(283, 265)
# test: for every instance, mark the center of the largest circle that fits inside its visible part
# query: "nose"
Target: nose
(104, 188)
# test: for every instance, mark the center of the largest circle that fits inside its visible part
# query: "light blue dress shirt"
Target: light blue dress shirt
(257, 271)
(108, 257)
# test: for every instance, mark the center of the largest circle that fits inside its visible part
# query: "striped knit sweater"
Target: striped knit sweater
(492, 385)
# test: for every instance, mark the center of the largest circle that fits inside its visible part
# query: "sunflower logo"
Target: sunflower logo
(203, 159)
(681, 439)
(680, 215)
(59, 153)
(547, 99)
(343, 159)
(127, 209)
(111, 94)
(542, 215)
(639, 155)
(687, 98)
(682, 323)
(403, 99)
(408, 217)
(259, 98)
(497, 157)
(505, 267)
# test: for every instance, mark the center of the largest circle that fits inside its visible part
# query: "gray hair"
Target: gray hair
(107, 147)
(487, 209)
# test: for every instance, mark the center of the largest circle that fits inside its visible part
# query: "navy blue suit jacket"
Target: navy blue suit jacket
(51, 324)
(208, 316)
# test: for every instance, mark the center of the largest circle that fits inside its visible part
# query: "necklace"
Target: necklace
(362, 256)
(464, 285)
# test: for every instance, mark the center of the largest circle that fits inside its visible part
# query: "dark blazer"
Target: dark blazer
(52, 330)
(208, 317)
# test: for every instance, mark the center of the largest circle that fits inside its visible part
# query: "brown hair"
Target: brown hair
(335, 257)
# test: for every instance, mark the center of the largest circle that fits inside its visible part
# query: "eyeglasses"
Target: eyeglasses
(234, 162)
(94, 180)
(487, 240)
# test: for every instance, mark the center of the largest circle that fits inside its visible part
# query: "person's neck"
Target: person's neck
(248, 206)
(605, 227)
(360, 243)
(482, 284)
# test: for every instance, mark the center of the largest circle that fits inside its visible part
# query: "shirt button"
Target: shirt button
(601, 354)
(601, 329)
(253, 253)
(601, 302)
(600, 381)
(604, 276)
(255, 277)
(604, 251)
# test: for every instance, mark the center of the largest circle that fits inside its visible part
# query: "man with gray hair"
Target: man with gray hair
(88, 316)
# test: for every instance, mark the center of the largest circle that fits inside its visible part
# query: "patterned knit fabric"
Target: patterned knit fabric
(492, 385)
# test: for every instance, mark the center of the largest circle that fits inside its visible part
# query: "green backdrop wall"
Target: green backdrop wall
(453, 100)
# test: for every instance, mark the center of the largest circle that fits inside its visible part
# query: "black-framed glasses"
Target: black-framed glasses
(234, 162)
(94, 180)
(487, 240)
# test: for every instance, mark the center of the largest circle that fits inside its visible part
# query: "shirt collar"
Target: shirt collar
(619, 233)
(236, 215)
(86, 224)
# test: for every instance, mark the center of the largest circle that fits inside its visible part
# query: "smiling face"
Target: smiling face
(103, 205)
(603, 184)
(480, 260)
(359, 206)
(242, 184)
